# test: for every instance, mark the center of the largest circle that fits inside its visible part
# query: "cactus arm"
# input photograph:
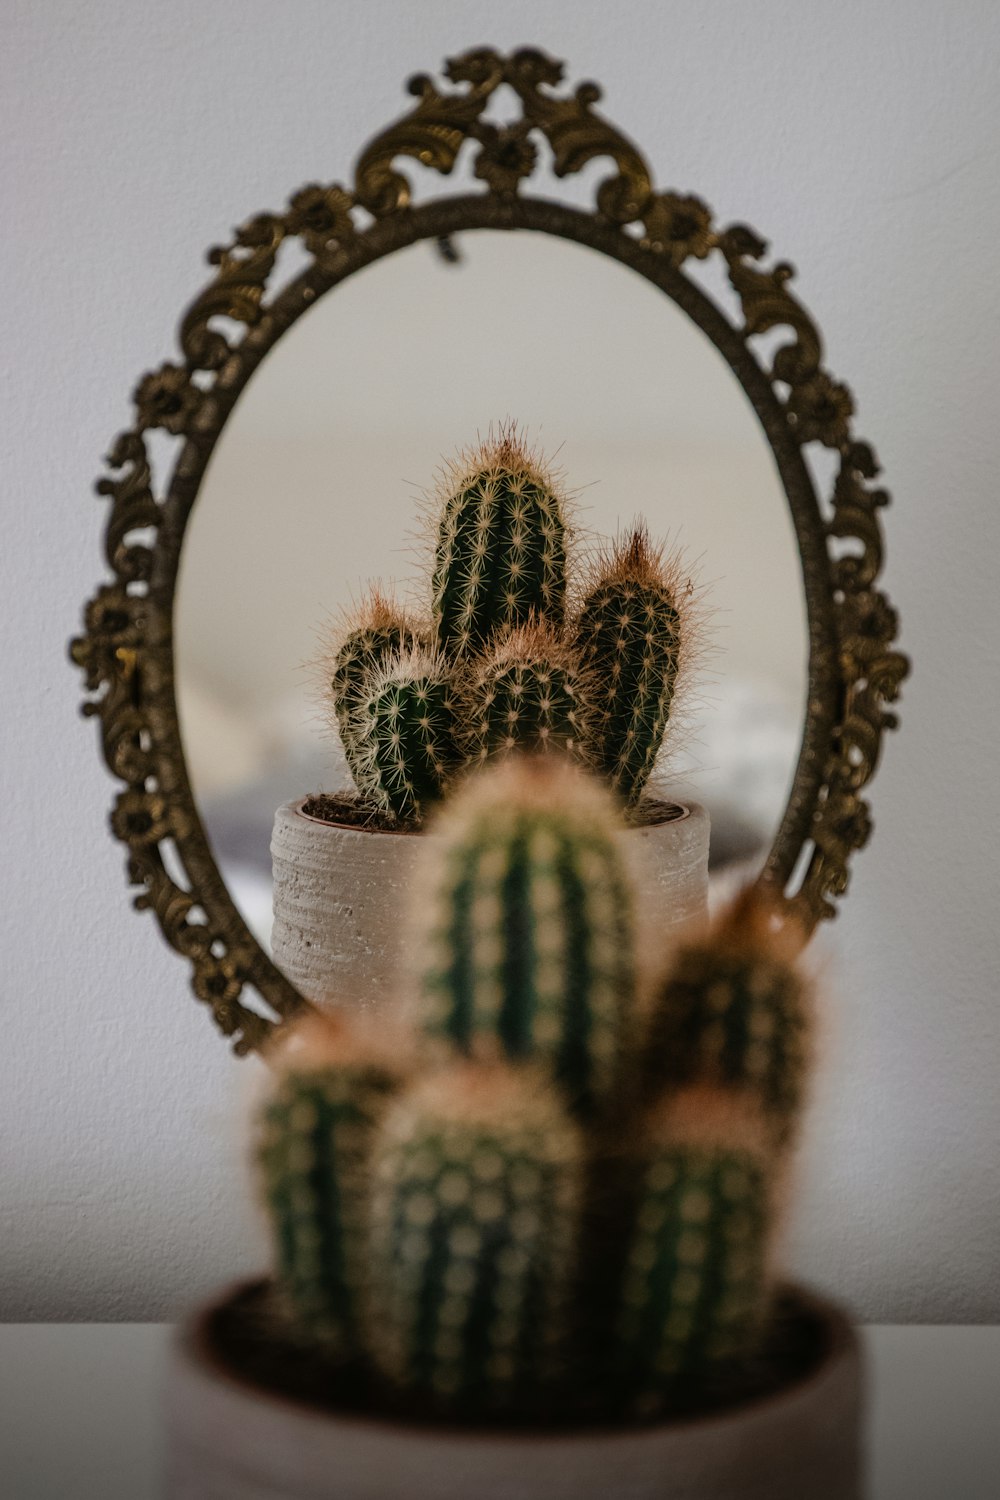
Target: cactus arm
(405, 733)
(628, 640)
(473, 1237)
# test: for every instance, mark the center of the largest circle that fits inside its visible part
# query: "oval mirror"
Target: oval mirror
(668, 370)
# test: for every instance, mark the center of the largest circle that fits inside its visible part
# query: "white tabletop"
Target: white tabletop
(80, 1412)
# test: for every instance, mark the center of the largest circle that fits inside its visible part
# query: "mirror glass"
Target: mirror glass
(315, 487)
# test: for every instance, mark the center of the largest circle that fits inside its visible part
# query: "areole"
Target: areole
(126, 651)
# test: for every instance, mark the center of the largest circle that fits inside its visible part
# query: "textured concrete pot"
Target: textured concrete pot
(340, 895)
(231, 1439)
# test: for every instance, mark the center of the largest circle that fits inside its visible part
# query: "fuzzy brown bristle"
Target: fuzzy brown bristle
(709, 1118)
(535, 641)
(344, 1039)
(755, 927)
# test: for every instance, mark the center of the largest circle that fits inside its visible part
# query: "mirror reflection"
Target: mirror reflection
(315, 488)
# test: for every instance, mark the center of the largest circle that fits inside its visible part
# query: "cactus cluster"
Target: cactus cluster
(505, 661)
(559, 1193)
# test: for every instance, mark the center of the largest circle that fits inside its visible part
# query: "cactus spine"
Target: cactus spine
(695, 1290)
(628, 639)
(315, 1140)
(475, 1199)
(526, 695)
(500, 554)
(405, 734)
(530, 927)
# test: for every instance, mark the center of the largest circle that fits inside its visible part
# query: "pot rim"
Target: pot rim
(296, 805)
(841, 1344)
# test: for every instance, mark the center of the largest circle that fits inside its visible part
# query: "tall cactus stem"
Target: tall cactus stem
(500, 549)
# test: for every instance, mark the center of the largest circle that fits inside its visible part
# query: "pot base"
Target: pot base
(234, 1437)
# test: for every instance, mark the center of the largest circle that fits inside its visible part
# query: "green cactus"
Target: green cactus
(500, 553)
(734, 1010)
(529, 924)
(405, 734)
(475, 1196)
(378, 632)
(695, 1290)
(524, 696)
(315, 1138)
(629, 640)
(519, 676)
(531, 1205)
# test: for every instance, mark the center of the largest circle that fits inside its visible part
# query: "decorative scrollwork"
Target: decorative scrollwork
(126, 649)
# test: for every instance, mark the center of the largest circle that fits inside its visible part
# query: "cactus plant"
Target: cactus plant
(515, 672)
(476, 1185)
(500, 552)
(558, 1204)
(528, 920)
(629, 640)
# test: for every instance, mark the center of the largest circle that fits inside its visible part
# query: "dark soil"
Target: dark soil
(348, 810)
(250, 1338)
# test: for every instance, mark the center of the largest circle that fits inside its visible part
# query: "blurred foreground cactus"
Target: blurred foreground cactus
(504, 662)
(558, 1194)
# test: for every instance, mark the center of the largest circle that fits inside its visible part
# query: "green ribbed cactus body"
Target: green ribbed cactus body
(499, 559)
(476, 1188)
(695, 1293)
(532, 706)
(315, 1139)
(406, 735)
(530, 931)
(364, 651)
(734, 1019)
(628, 640)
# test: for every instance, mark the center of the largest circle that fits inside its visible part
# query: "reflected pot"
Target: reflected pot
(341, 895)
(237, 1435)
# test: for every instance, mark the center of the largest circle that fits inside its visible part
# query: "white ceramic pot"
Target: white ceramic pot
(231, 1439)
(340, 895)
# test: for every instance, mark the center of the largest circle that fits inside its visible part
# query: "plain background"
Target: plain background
(862, 139)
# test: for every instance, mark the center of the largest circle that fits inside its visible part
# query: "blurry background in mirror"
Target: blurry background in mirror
(315, 484)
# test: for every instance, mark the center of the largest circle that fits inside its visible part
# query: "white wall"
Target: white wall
(862, 138)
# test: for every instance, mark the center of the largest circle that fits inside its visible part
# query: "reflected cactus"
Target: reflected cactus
(404, 734)
(378, 632)
(525, 694)
(629, 640)
(511, 672)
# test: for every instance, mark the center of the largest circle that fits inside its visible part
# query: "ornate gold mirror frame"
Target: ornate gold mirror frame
(126, 651)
